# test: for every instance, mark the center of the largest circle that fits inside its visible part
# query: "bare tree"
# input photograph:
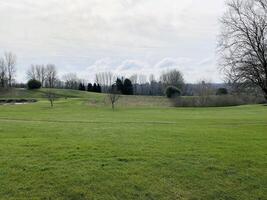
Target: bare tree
(51, 96)
(37, 72)
(204, 91)
(134, 79)
(172, 78)
(3, 73)
(51, 75)
(10, 63)
(40, 73)
(71, 81)
(113, 95)
(51, 78)
(243, 42)
(31, 73)
(105, 79)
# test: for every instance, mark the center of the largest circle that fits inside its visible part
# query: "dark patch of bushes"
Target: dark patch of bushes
(10, 101)
(222, 91)
(172, 91)
(216, 101)
(33, 84)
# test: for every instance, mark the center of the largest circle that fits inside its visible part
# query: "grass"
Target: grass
(80, 150)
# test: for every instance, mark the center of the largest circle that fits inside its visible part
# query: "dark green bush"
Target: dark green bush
(222, 91)
(172, 91)
(33, 84)
(216, 101)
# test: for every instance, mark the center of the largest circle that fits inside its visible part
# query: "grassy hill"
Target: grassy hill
(40, 93)
(94, 99)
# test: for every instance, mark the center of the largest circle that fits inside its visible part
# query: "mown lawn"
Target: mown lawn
(80, 151)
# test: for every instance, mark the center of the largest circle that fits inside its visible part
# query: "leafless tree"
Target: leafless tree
(3, 73)
(172, 78)
(51, 78)
(71, 80)
(31, 73)
(152, 81)
(51, 96)
(243, 42)
(40, 73)
(204, 91)
(105, 79)
(113, 95)
(134, 79)
(10, 63)
(51, 75)
(37, 72)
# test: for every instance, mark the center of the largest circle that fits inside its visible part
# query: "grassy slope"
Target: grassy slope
(94, 99)
(79, 151)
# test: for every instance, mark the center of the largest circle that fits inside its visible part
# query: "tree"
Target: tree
(40, 74)
(134, 79)
(204, 91)
(127, 87)
(119, 84)
(89, 87)
(51, 75)
(172, 78)
(81, 87)
(113, 95)
(31, 73)
(10, 60)
(37, 72)
(243, 44)
(105, 80)
(99, 89)
(34, 84)
(94, 89)
(51, 97)
(3, 73)
(172, 91)
(222, 91)
(71, 81)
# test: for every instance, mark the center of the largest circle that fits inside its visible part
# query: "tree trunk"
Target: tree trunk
(265, 94)
(113, 106)
(51, 102)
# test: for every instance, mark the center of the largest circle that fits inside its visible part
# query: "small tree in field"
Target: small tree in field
(113, 95)
(51, 97)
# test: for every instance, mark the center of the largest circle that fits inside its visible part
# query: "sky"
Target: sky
(121, 36)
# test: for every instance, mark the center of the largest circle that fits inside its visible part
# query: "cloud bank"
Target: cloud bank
(126, 36)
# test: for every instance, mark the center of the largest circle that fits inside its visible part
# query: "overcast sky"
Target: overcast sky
(123, 36)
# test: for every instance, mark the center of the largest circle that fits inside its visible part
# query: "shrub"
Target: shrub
(33, 84)
(172, 91)
(127, 87)
(222, 91)
(216, 101)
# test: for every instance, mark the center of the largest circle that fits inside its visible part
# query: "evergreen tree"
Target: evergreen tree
(89, 87)
(94, 88)
(127, 87)
(99, 90)
(80, 86)
(119, 85)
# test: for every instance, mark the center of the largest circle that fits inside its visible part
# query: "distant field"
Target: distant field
(80, 149)
(93, 99)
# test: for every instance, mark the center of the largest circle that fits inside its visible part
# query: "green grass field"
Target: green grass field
(80, 149)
